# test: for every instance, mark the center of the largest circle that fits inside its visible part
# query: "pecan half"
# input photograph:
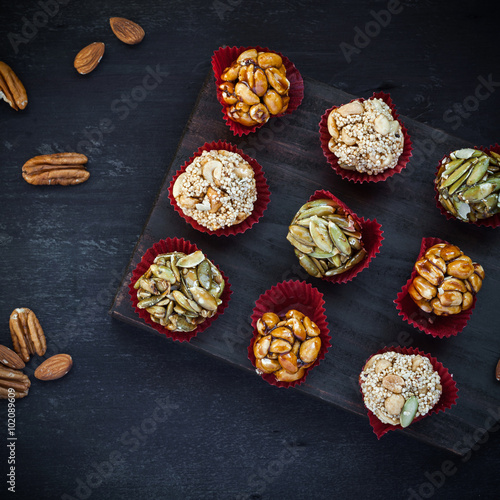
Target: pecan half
(89, 57)
(13, 379)
(127, 31)
(11, 88)
(65, 169)
(27, 334)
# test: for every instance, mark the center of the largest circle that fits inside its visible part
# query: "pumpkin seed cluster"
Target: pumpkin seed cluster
(180, 291)
(326, 239)
(468, 183)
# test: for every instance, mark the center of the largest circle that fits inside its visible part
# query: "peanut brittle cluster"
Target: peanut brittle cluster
(447, 280)
(255, 87)
(286, 345)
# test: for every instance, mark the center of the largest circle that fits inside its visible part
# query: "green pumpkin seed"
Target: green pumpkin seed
(320, 236)
(409, 411)
(301, 234)
(458, 183)
(308, 265)
(299, 245)
(477, 193)
(163, 272)
(339, 238)
(204, 274)
(203, 298)
(458, 174)
(478, 171)
(323, 255)
(318, 211)
(451, 167)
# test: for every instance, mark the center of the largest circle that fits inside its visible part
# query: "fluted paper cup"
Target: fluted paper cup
(260, 205)
(449, 395)
(225, 56)
(429, 323)
(493, 221)
(281, 298)
(166, 246)
(353, 175)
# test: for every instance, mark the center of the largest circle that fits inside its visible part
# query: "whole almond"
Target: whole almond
(54, 367)
(88, 58)
(127, 31)
(9, 358)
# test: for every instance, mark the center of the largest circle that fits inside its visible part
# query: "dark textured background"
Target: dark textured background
(142, 417)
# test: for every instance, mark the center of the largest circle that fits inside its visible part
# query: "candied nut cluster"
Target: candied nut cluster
(217, 189)
(180, 291)
(286, 345)
(255, 87)
(326, 239)
(468, 184)
(447, 281)
(365, 137)
(391, 379)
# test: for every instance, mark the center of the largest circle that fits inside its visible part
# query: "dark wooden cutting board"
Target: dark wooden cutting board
(361, 314)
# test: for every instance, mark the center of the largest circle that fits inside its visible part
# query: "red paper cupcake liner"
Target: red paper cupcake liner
(429, 323)
(280, 299)
(371, 237)
(225, 56)
(448, 397)
(166, 246)
(260, 205)
(353, 175)
(493, 221)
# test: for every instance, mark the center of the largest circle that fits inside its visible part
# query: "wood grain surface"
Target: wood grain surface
(139, 416)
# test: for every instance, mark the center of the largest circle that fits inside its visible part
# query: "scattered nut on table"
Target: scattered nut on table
(468, 183)
(64, 169)
(365, 136)
(255, 87)
(217, 189)
(390, 382)
(447, 281)
(286, 346)
(27, 334)
(326, 239)
(180, 291)
(12, 90)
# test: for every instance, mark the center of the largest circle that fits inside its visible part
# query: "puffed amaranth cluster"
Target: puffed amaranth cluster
(255, 87)
(397, 388)
(447, 281)
(365, 136)
(217, 189)
(286, 346)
